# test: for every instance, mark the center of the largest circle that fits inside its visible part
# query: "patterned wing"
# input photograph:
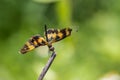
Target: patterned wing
(55, 35)
(33, 43)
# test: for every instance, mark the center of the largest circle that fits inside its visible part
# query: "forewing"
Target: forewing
(33, 43)
(55, 35)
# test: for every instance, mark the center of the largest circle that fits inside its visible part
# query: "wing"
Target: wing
(33, 43)
(55, 35)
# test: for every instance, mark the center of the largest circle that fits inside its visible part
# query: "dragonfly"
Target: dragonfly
(51, 36)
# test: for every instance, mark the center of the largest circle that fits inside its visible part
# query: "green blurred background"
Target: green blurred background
(90, 53)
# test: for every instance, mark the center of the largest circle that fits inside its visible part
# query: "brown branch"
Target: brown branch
(47, 66)
(46, 33)
(51, 59)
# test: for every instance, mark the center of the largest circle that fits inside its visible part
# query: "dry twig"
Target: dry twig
(51, 59)
(45, 69)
